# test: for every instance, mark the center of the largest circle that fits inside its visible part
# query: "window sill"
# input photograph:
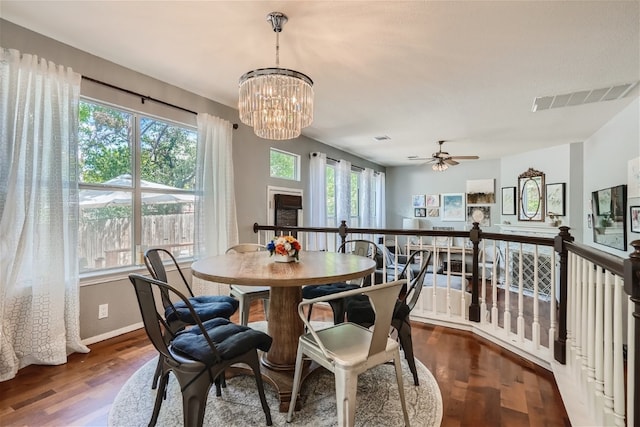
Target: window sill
(118, 274)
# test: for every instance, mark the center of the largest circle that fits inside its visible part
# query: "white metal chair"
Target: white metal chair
(347, 349)
(246, 294)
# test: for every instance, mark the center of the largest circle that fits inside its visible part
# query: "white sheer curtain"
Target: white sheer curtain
(381, 216)
(343, 192)
(39, 299)
(318, 199)
(215, 208)
(367, 199)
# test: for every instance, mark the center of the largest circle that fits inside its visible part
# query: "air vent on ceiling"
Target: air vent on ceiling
(582, 97)
(382, 138)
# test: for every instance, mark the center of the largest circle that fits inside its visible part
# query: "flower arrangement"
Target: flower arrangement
(284, 245)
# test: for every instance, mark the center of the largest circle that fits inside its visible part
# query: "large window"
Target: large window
(137, 179)
(284, 165)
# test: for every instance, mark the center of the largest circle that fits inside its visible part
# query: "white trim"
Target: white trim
(272, 191)
(112, 334)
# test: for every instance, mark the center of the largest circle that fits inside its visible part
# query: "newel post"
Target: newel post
(632, 288)
(474, 308)
(560, 343)
(342, 232)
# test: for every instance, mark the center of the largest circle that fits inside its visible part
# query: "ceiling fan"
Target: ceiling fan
(442, 160)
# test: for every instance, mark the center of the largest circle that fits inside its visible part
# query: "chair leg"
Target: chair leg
(160, 396)
(194, 399)
(245, 306)
(296, 384)
(396, 363)
(157, 373)
(346, 388)
(404, 333)
(337, 306)
(255, 367)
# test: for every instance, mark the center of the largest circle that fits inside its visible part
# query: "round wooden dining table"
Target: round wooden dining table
(286, 281)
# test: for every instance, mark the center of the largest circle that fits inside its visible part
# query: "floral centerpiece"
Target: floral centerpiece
(285, 248)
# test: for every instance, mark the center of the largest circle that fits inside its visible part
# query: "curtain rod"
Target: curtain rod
(143, 97)
(336, 160)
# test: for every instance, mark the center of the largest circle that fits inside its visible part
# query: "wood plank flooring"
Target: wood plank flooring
(481, 384)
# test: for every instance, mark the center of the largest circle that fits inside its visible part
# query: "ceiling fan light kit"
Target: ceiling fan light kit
(276, 102)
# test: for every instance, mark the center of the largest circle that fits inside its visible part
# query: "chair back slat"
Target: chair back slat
(154, 323)
(382, 298)
(153, 259)
(416, 284)
(246, 247)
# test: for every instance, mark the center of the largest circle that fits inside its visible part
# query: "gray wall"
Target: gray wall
(405, 181)
(250, 157)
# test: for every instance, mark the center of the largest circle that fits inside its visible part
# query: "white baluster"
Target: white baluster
(520, 321)
(535, 326)
(598, 339)
(494, 286)
(631, 362)
(618, 362)
(608, 344)
(507, 290)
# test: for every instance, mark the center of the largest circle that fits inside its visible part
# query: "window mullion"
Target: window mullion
(137, 192)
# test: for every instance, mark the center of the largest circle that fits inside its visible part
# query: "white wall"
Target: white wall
(554, 162)
(606, 157)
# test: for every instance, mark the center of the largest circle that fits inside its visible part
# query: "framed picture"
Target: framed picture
(610, 219)
(480, 191)
(420, 212)
(418, 201)
(508, 200)
(634, 213)
(433, 212)
(555, 199)
(479, 214)
(453, 207)
(433, 200)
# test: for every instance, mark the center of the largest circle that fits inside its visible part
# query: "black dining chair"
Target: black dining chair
(359, 310)
(357, 247)
(177, 315)
(197, 356)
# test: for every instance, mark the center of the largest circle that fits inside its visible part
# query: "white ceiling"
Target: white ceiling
(416, 71)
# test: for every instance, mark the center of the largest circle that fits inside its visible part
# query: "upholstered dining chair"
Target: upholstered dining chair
(347, 349)
(360, 311)
(357, 247)
(199, 355)
(247, 294)
(178, 317)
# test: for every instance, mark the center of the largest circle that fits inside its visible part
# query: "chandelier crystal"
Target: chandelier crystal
(277, 102)
(440, 167)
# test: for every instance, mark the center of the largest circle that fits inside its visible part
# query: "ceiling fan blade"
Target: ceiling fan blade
(465, 157)
(451, 162)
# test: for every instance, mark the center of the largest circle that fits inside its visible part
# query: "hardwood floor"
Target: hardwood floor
(481, 384)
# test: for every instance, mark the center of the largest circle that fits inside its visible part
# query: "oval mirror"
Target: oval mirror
(531, 195)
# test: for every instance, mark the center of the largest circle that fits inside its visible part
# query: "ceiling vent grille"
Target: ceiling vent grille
(582, 97)
(381, 138)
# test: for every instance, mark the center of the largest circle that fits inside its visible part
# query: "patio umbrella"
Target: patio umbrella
(101, 198)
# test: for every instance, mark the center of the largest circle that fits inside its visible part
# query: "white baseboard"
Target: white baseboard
(111, 334)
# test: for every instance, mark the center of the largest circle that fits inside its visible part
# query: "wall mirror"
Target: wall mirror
(531, 196)
(610, 209)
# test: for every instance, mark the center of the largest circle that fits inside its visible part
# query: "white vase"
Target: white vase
(283, 258)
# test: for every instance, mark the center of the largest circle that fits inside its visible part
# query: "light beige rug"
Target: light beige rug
(377, 400)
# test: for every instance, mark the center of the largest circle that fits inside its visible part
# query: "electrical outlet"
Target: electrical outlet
(103, 311)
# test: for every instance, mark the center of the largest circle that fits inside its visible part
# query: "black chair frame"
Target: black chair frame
(195, 377)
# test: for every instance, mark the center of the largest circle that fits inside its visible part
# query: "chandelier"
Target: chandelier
(277, 102)
(440, 166)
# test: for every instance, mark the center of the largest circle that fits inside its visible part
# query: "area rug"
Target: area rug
(377, 400)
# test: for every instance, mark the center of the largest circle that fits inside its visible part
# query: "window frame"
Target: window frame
(296, 165)
(89, 276)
